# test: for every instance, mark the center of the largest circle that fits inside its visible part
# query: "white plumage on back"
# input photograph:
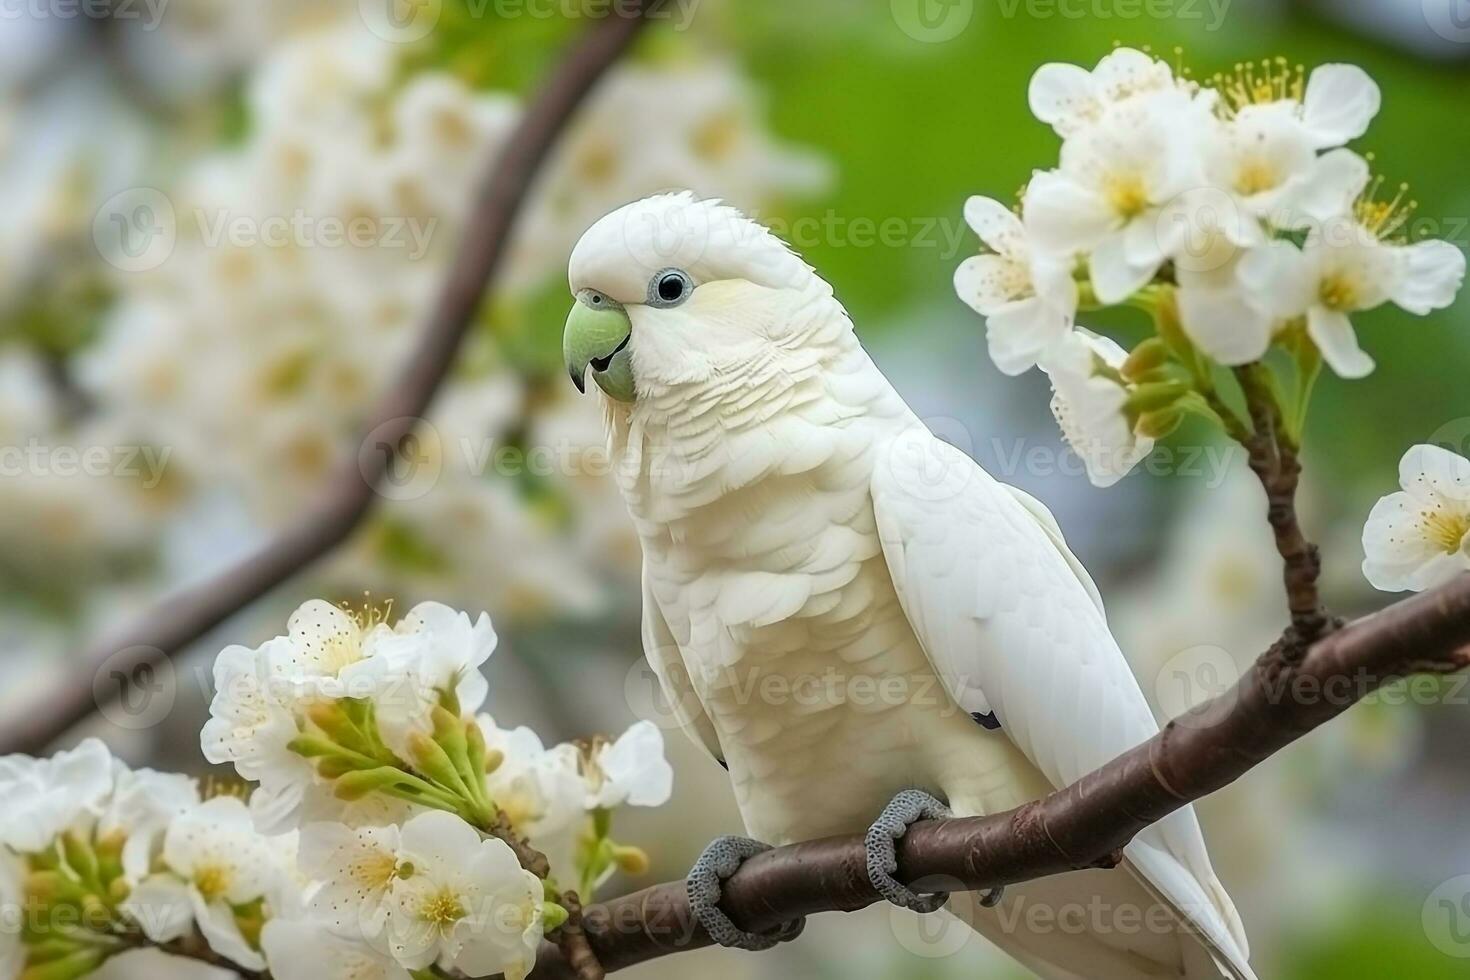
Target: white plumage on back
(802, 529)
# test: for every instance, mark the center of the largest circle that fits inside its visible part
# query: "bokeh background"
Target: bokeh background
(179, 374)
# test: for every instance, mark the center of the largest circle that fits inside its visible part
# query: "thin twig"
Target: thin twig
(1273, 458)
(181, 618)
(1086, 825)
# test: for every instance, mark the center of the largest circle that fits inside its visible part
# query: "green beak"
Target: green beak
(597, 335)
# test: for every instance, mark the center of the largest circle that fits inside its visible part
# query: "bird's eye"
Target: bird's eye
(670, 288)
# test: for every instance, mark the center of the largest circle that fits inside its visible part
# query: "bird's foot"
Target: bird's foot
(719, 861)
(906, 808)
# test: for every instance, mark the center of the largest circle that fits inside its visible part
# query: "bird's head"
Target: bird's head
(672, 289)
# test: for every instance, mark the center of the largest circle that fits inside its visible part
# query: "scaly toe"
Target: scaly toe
(721, 859)
(891, 825)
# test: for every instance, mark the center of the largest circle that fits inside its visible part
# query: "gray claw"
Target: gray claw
(990, 899)
(721, 859)
(891, 825)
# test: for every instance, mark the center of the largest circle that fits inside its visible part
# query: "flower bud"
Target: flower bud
(553, 916)
(1156, 395)
(1157, 425)
(1147, 357)
(631, 860)
(68, 967)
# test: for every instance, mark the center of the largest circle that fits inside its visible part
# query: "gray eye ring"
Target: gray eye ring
(669, 287)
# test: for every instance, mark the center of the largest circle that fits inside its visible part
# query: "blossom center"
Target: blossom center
(1446, 531)
(212, 880)
(1256, 176)
(1339, 293)
(375, 870)
(1126, 194)
(443, 908)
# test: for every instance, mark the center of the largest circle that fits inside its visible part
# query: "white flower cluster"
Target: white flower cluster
(306, 262)
(378, 842)
(1234, 212)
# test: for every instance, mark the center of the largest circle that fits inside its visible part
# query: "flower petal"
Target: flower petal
(1340, 102)
(1020, 334)
(1061, 96)
(1225, 325)
(997, 225)
(1278, 277)
(438, 840)
(161, 907)
(1334, 336)
(980, 282)
(1063, 216)
(1114, 278)
(1434, 476)
(1127, 71)
(1324, 194)
(1431, 275)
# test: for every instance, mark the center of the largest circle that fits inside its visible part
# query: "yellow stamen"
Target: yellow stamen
(1446, 531)
(1126, 195)
(1386, 220)
(1271, 80)
(1338, 293)
(375, 870)
(212, 880)
(1256, 176)
(442, 909)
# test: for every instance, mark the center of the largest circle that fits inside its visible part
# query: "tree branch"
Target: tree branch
(1273, 458)
(1281, 698)
(180, 619)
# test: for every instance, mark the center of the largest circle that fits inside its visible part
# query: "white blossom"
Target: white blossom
(304, 950)
(263, 695)
(1070, 98)
(354, 869)
(1028, 296)
(438, 650)
(214, 862)
(631, 770)
(541, 790)
(1111, 196)
(1090, 404)
(1346, 270)
(1420, 537)
(143, 805)
(467, 903)
(45, 797)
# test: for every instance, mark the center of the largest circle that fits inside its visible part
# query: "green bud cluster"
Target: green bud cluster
(72, 922)
(445, 770)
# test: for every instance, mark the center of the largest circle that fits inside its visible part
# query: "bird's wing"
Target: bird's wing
(1013, 625)
(682, 701)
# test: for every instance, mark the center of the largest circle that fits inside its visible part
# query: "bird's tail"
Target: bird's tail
(1096, 925)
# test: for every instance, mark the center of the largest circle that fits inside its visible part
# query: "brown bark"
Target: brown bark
(1274, 460)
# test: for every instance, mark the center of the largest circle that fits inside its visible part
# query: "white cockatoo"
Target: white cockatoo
(847, 612)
